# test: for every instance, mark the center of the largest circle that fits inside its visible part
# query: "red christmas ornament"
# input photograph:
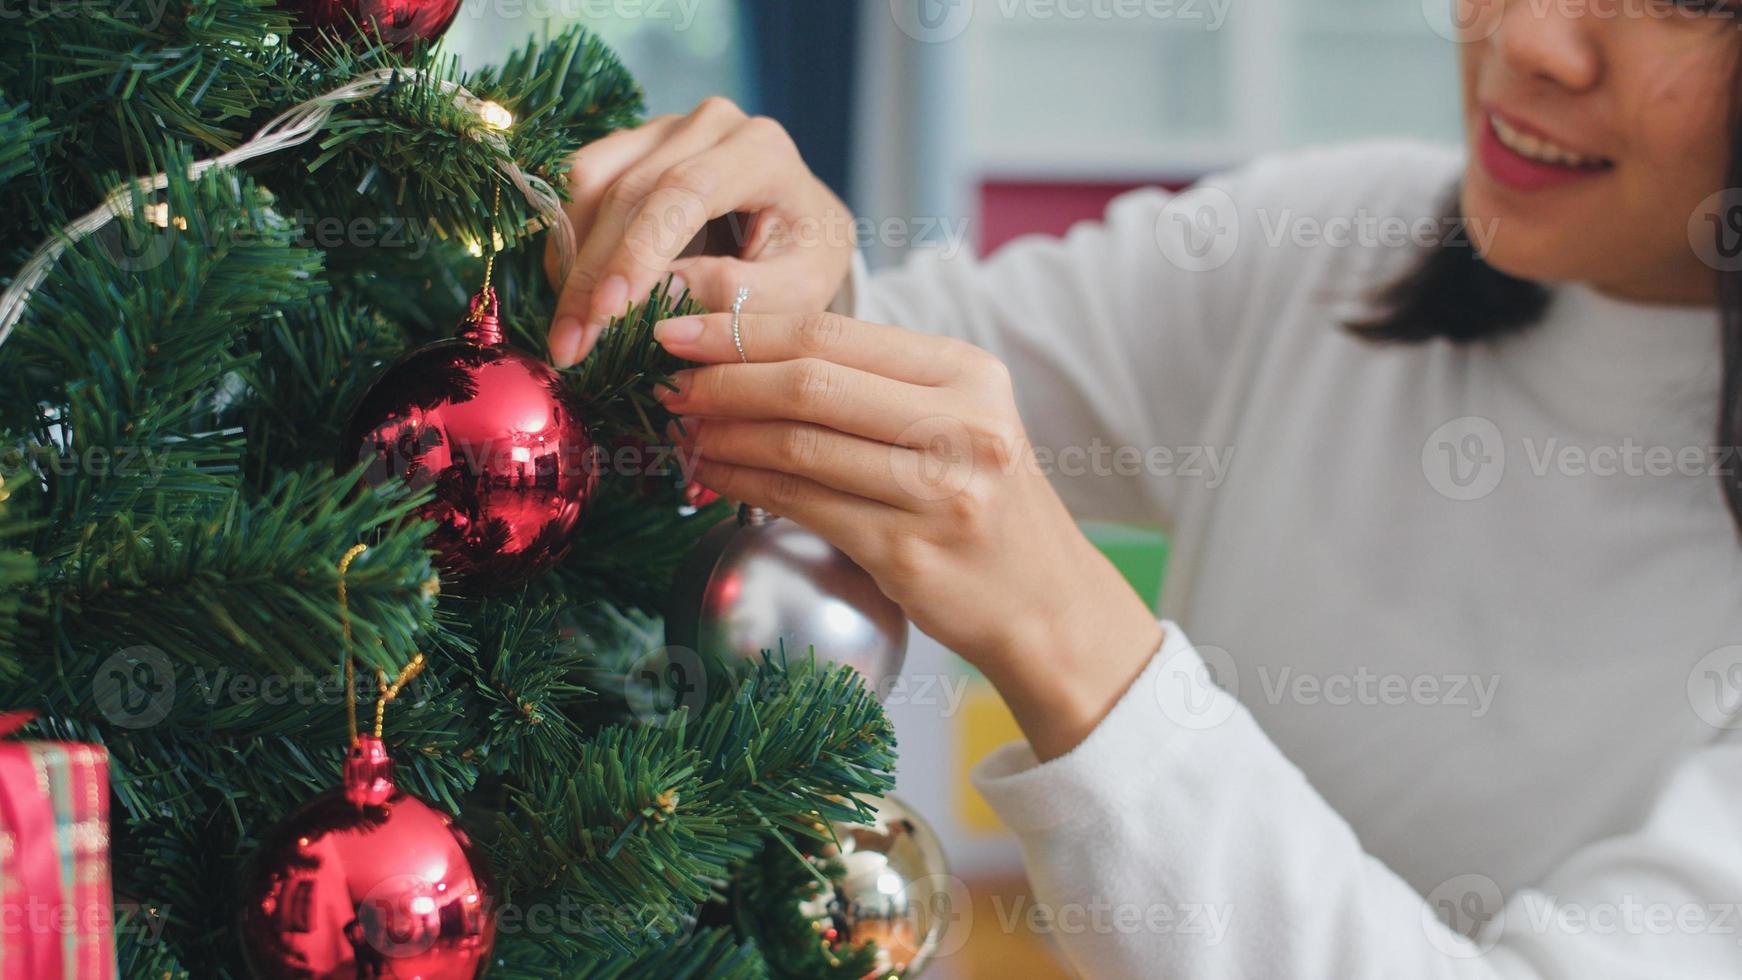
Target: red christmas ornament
(367, 881)
(400, 24)
(497, 435)
(698, 496)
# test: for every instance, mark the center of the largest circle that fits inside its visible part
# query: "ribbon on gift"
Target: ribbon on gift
(56, 919)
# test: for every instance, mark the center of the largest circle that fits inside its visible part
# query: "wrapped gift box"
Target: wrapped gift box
(56, 916)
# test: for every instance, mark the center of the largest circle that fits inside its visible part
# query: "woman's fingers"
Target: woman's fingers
(594, 168)
(810, 390)
(714, 165)
(878, 471)
(894, 353)
(613, 208)
(714, 280)
(747, 172)
(730, 177)
(846, 521)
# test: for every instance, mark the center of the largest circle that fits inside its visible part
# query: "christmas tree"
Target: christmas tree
(172, 521)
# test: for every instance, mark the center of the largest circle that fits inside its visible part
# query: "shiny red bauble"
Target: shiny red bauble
(367, 881)
(400, 24)
(497, 436)
(698, 496)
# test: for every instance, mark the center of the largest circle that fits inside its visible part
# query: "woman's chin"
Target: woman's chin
(1520, 245)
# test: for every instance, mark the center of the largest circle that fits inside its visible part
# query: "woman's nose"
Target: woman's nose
(1549, 40)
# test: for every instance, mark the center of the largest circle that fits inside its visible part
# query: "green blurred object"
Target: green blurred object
(1139, 553)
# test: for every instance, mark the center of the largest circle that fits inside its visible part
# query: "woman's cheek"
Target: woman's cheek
(1679, 120)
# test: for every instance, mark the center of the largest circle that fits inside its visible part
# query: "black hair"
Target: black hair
(1452, 293)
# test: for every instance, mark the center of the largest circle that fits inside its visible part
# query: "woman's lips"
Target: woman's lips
(1511, 168)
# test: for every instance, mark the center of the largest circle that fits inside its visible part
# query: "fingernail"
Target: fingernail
(681, 428)
(679, 286)
(611, 300)
(565, 341)
(682, 330)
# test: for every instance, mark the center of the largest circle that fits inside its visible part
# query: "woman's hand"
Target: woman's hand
(641, 196)
(906, 452)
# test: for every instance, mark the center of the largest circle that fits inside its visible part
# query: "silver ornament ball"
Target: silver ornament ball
(758, 582)
(890, 887)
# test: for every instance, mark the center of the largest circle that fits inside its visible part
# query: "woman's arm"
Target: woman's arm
(1167, 833)
(1184, 844)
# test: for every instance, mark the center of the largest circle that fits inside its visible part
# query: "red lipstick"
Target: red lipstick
(1512, 169)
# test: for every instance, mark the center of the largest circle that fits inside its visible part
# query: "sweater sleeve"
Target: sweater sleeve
(1178, 841)
(1128, 338)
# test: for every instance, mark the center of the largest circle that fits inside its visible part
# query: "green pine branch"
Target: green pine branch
(117, 84)
(21, 137)
(797, 741)
(325, 354)
(709, 954)
(17, 571)
(625, 829)
(253, 578)
(125, 350)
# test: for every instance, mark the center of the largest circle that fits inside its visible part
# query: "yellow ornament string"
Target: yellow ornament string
(489, 291)
(391, 691)
(490, 261)
(388, 691)
(345, 625)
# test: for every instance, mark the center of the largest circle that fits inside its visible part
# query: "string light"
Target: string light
(158, 214)
(476, 248)
(291, 128)
(495, 115)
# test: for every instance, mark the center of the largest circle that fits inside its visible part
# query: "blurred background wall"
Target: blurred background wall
(966, 123)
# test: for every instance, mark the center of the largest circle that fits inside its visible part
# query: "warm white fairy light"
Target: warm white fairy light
(497, 244)
(158, 214)
(495, 115)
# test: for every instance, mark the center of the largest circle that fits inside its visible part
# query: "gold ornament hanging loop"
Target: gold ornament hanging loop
(391, 691)
(388, 691)
(490, 260)
(345, 625)
(487, 293)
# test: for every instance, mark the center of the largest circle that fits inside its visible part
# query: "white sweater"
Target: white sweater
(1474, 608)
